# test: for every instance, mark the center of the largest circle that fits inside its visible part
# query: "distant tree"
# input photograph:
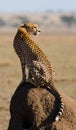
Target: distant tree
(45, 17)
(20, 20)
(69, 20)
(23, 19)
(2, 22)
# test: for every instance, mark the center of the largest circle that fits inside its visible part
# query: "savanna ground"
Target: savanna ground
(61, 51)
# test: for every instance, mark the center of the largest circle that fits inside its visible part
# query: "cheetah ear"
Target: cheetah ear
(26, 25)
(22, 25)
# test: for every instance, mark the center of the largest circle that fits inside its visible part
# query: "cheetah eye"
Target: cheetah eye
(35, 27)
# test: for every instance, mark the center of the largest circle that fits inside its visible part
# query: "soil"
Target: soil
(34, 108)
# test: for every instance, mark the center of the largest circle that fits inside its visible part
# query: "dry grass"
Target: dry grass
(61, 50)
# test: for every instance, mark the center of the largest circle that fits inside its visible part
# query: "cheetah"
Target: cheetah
(35, 62)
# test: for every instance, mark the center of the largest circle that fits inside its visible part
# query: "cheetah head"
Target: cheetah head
(31, 28)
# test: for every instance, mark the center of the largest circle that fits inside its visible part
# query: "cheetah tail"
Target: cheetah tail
(60, 102)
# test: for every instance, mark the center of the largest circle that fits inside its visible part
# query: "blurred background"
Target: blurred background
(57, 20)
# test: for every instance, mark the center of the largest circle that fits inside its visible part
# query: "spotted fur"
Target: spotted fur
(40, 71)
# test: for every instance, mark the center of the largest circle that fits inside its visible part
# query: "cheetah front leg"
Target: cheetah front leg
(25, 72)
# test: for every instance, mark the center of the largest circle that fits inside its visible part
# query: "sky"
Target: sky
(37, 5)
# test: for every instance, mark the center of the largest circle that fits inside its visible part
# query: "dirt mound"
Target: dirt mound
(34, 108)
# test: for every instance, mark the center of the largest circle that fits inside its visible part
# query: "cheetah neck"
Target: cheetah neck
(27, 38)
(25, 35)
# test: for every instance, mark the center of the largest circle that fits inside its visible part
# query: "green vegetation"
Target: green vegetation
(20, 20)
(48, 21)
(2, 22)
(69, 20)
